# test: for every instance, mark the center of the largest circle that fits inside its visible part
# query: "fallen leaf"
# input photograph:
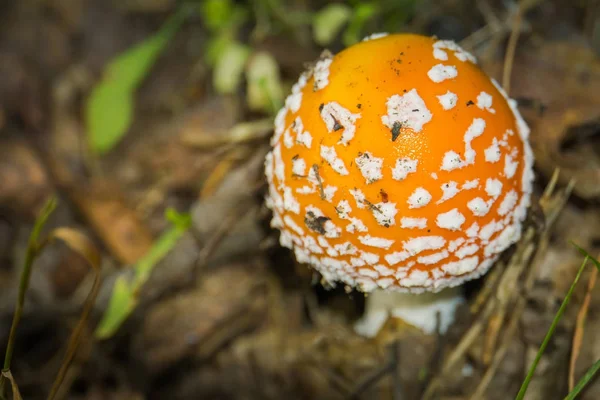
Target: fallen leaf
(193, 324)
(104, 207)
(557, 85)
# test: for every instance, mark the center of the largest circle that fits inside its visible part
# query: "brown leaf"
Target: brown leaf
(194, 324)
(123, 233)
(557, 85)
(79, 243)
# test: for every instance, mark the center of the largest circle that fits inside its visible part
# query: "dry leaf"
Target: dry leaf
(557, 85)
(123, 233)
(194, 324)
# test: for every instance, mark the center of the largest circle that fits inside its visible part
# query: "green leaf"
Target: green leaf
(125, 294)
(264, 92)
(162, 246)
(120, 306)
(216, 13)
(362, 13)
(133, 65)
(229, 68)
(109, 107)
(109, 115)
(215, 48)
(329, 21)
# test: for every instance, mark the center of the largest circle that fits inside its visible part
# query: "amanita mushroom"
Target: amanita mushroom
(399, 165)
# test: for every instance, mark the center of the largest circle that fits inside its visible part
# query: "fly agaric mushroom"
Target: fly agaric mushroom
(399, 165)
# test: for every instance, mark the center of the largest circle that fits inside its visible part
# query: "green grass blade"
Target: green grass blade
(121, 305)
(586, 254)
(546, 341)
(180, 224)
(589, 375)
(125, 294)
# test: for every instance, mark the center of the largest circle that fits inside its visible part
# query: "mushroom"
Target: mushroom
(399, 166)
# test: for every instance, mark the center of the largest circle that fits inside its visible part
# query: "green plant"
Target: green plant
(125, 294)
(76, 242)
(594, 369)
(110, 105)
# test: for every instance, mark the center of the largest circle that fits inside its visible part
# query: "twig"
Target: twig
(511, 48)
(491, 19)
(455, 356)
(215, 240)
(508, 280)
(370, 380)
(501, 352)
(397, 382)
(334, 379)
(522, 7)
(579, 328)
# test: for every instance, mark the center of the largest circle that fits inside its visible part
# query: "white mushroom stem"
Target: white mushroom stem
(419, 310)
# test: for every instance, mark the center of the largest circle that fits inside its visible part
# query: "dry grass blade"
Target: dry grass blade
(522, 7)
(220, 171)
(79, 243)
(579, 328)
(502, 299)
(16, 395)
(370, 380)
(213, 243)
(511, 48)
(498, 357)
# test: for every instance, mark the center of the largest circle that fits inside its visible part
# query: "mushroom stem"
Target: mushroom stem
(419, 310)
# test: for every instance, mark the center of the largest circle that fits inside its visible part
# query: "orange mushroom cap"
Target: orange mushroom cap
(399, 164)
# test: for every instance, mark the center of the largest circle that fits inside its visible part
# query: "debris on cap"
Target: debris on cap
(399, 164)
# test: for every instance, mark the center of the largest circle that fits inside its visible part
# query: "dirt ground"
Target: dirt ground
(227, 313)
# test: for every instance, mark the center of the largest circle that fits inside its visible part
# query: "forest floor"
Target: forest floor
(171, 200)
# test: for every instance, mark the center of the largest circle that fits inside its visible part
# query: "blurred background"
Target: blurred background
(148, 121)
